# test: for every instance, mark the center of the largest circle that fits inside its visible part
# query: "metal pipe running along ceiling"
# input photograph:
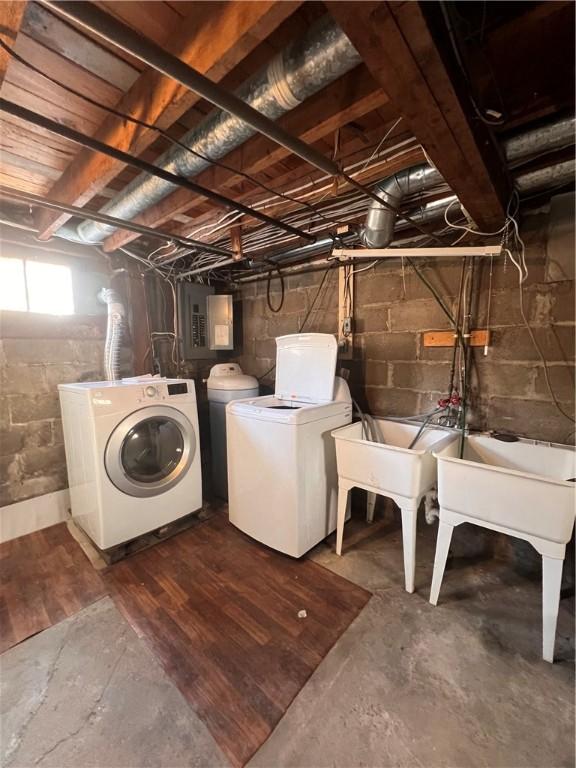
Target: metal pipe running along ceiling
(172, 179)
(306, 66)
(157, 234)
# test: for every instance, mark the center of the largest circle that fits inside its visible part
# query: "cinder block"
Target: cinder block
(536, 419)
(381, 287)
(294, 301)
(421, 315)
(58, 433)
(37, 434)
(18, 351)
(4, 413)
(69, 374)
(504, 308)
(423, 377)
(305, 280)
(563, 303)
(89, 353)
(9, 469)
(562, 379)
(280, 325)
(23, 379)
(370, 319)
(515, 344)
(11, 441)
(35, 486)
(376, 373)
(266, 349)
(42, 461)
(254, 326)
(506, 380)
(386, 346)
(26, 408)
(322, 321)
(383, 401)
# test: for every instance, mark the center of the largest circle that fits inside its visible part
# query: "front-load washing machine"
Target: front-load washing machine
(133, 455)
(282, 476)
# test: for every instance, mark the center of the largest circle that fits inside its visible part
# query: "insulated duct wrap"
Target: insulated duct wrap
(305, 67)
(378, 231)
(114, 333)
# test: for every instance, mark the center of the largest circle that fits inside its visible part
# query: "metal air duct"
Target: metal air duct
(378, 231)
(305, 67)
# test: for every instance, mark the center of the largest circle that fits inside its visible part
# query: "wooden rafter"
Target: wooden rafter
(213, 39)
(11, 15)
(397, 45)
(346, 100)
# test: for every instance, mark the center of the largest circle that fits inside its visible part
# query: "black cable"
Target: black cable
(268, 284)
(303, 323)
(164, 134)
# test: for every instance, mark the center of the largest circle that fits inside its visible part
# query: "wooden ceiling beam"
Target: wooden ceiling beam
(213, 40)
(342, 102)
(397, 45)
(11, 15)
(412, 156)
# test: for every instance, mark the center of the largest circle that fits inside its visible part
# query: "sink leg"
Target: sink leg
(370, 504)
(442, 547)
(343, 494)
(551, 581)
(409, 545)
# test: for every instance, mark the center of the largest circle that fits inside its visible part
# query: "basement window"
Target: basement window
(35, 286)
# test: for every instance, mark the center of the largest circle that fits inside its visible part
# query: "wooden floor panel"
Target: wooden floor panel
(45, 577)
(221, 613)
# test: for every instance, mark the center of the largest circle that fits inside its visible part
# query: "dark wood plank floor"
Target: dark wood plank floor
(221, 613)
(45, 577)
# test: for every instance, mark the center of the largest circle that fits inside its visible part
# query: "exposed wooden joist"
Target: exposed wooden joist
(397, 45)
(213, 40)
(413, 156)
(11, 15)
(344, 101)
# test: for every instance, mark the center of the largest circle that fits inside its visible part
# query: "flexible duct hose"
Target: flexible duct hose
(114, 333)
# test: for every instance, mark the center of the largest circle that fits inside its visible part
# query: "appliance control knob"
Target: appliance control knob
(151, 391)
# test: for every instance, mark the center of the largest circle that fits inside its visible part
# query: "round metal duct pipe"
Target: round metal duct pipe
(305, 67)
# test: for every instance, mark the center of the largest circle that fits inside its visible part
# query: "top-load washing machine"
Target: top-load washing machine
(282, 477)
(133, 455)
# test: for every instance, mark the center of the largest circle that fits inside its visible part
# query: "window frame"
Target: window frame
(25, 261)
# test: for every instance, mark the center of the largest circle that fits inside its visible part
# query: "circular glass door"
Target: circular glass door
(150, 451)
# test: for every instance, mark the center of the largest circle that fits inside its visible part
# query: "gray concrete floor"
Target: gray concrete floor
(409, 684)
(462, 684)
(87, 692)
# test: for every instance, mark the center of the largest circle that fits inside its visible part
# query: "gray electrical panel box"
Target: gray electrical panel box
(205, 321)
(220, 327)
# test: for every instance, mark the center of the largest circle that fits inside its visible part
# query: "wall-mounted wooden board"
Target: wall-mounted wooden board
(478, 338)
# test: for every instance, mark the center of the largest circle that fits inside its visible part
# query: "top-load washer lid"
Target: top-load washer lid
(305, 367)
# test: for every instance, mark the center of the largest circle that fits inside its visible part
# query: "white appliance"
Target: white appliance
(225, 383)
(282, 477)
(133, 455)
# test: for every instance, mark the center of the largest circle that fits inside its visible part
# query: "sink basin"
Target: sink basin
(521, 485)
(522, 489)
(391, 469)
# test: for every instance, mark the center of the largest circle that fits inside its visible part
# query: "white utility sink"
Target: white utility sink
(391, 469)
(519, 488)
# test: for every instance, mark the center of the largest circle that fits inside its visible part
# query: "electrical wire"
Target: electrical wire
(150, 126)
(276, 309)
(308, 313)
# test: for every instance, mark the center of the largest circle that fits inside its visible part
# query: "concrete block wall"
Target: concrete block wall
(37, 353)
(394, 373)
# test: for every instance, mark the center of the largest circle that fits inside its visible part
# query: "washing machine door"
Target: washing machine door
(150, 451)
